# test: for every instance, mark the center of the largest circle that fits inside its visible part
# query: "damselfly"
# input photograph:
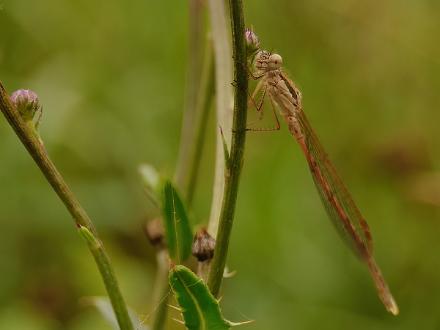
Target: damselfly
(334, 195)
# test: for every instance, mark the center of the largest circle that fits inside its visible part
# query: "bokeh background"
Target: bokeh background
(111, 77)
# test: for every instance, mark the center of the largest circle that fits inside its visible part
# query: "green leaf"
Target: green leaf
(200, 310)
(105, 308)
(177, 228)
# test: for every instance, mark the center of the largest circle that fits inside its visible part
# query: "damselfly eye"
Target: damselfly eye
(275, 61)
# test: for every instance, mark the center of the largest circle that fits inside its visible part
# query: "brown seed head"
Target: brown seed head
(203, 246)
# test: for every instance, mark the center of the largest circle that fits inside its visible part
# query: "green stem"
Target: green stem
(197, 104)
(233, 170)
(206, 92)
(224, 103)
(36, 149)
(107, 273)
(195, 57)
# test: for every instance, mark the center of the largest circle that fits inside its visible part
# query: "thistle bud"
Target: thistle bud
(26, 102)
(252, 42)
(203, 246)
(155, 233)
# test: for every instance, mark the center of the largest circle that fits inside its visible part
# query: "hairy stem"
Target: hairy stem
(36, 149)
(235, 161)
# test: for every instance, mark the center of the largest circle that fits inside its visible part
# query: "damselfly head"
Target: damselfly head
(265, 61)
(275, 62)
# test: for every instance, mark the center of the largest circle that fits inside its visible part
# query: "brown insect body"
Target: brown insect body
(334, 195)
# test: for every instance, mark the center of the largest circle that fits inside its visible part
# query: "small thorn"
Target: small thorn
(229, 274)
(178, 321)
(234, 324)
(225, 149)
(175, 307)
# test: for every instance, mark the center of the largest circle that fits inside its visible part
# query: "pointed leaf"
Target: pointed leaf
(177, 228)
(200, 310)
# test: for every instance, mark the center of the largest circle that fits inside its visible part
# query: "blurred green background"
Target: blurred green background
(111, 77)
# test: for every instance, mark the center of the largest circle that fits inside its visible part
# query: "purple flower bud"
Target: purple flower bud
(203, 246)
(252, 41)
(26, 102)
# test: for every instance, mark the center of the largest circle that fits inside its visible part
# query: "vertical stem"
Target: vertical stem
(197, 103)
(36, 149)
(224, 102)
(206, 92)
(235, 161)
(195, 55)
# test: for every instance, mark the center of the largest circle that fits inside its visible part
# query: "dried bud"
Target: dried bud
(26, 102)
(203, 246)
(155, 232)
(252, 42)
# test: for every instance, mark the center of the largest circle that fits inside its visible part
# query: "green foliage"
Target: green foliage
(200, 309)
(369, 75)
(177, 228)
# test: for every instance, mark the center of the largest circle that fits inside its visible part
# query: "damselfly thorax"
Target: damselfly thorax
(281, 89)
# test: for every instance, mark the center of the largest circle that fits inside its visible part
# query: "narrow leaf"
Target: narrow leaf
(105, 308)
(200, 310)
(177, 228)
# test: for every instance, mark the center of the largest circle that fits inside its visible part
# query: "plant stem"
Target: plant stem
(197, 104)
(206, 92)
(36, 149)
(195, 56)
(235, 161)
(106, 270)
(224, 103)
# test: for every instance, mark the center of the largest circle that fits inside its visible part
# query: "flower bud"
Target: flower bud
(26, 102)
(252, 42)
(155, 233)
(203, 246)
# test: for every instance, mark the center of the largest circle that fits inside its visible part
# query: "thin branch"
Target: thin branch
(36, 149)
(232, 176)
